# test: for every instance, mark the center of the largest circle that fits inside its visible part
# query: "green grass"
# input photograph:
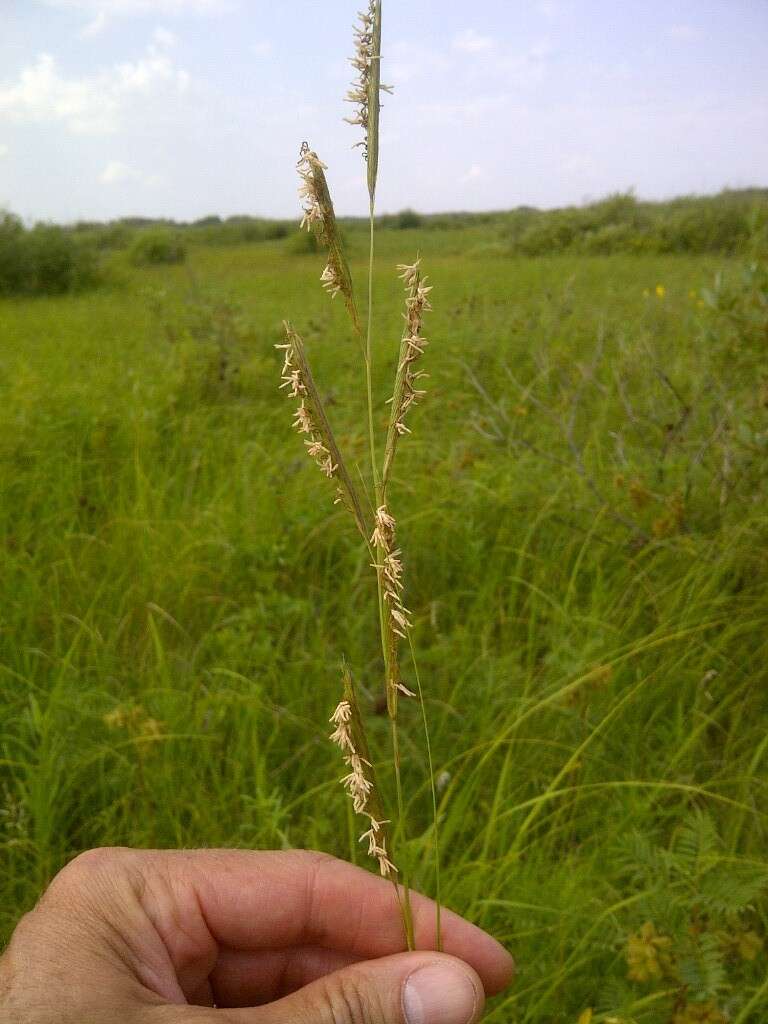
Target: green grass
(585, 560)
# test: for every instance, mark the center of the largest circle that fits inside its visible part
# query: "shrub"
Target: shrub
(158, 247)
(276, 229)
(303, 243)
(44, 260)
(408, 219)
(620, 223)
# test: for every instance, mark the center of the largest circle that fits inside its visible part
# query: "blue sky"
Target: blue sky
(183, 108)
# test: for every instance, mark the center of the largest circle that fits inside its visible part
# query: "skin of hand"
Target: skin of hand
(149, 937)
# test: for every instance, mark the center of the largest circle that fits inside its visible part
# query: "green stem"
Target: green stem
(368, 382)
(430, 766)
(405, 901)
(406, 890)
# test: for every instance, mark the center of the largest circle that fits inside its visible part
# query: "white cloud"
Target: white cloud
(109, 8)
(475, 173)
(163, 39)
(548, 8)
(94, 27)
(681, 31)
(465, 111)
(144, 74)
(41, 94)
(472, 42)
(529, 68)
(118, 173)
(262, 48)
(4, 150)
(89, 105)
(408, 60)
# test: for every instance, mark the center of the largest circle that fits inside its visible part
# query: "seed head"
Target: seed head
(319, 216)
(310, 420)
(359, 785)
(391, 573)
(366, 89)
(407, 391)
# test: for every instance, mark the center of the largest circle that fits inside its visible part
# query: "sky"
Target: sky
(185, 108)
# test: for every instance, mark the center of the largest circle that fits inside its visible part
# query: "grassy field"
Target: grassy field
(582, 511)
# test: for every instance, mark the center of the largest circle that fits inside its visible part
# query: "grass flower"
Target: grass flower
(310, 419)
(367, 87)
(360, 782)
(407, 391)
(318, 215)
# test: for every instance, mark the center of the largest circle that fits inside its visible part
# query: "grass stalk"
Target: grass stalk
(433, 793)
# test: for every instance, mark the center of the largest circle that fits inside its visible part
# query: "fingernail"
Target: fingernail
(440, 994)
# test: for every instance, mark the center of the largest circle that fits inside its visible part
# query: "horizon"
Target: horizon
(363, 219)
(183, 109)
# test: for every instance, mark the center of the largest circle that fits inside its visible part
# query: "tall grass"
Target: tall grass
(173, 585)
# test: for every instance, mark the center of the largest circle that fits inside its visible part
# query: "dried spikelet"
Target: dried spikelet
(366, 90)
(396, 620)
(319, 216)
(360, 783)
(406, 392)
(311, 420)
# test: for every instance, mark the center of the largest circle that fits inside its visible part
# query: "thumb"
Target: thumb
(410, 988)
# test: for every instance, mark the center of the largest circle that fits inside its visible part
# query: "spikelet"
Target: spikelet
(396, 619)
(311, 420)
(319, 216)
(406, 391)
(360, 782)
(367, 88)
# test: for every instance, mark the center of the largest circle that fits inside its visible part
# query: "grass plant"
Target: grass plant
(378, 525)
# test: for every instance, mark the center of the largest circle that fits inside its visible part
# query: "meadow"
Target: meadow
(582, 504)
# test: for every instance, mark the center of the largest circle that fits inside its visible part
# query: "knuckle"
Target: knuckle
(94, 861)
(85, 869)
(349, 1003)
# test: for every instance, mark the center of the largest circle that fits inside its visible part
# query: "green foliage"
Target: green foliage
(156, 247)
(236, 230)
(583, 504)
(403, 221)
(620, 223)
(43, 260)
(701, 948)
(303, 243)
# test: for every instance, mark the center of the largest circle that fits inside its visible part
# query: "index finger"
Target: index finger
(274, 900)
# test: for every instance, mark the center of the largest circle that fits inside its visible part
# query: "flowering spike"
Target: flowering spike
(366, 90)
(360, 783)
(412, 346)
(310, 419)
(319, 216)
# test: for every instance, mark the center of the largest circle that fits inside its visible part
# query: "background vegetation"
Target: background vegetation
(50, 260)
(583, 510)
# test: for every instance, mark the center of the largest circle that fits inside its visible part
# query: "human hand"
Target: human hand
(145, 937)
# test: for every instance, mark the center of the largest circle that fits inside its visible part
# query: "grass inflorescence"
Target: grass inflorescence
(311, 419)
